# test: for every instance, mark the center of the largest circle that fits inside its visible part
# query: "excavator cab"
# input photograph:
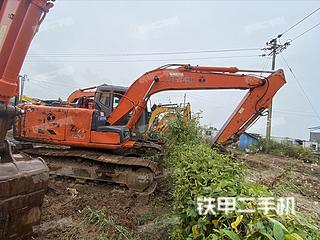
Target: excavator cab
(107, 98)
(103, 100)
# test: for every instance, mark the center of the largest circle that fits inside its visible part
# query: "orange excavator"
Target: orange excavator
(105, 121)
(23, 179)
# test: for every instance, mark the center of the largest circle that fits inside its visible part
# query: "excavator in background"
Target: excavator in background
(162, 113)
(23, 179)
(37, 101)
(101, 125)
(26, 99)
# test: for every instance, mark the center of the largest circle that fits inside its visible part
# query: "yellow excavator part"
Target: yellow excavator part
(31, 100)
(163, 112)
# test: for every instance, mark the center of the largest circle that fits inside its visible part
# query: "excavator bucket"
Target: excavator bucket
(23, 183)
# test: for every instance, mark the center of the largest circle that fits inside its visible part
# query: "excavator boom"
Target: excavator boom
(185, 77)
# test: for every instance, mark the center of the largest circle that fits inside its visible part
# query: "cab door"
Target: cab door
(103, 102)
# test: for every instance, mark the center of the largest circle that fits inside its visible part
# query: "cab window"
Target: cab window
(105, 99)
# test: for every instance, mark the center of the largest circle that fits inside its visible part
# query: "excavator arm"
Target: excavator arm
(85, 92)
(186, 77)
(19, 21)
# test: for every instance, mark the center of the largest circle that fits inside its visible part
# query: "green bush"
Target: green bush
(199, 171)
(285, 149)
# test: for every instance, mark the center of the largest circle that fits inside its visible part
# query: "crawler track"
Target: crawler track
(138, 174)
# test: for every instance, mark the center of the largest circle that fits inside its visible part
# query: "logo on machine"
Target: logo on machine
(180, 78)
(176, 74)
(51, 117)
(76, 132)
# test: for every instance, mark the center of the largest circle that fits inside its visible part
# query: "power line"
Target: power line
(278, 48)
(140, 54)
(52, 83)
(300, 86)
(296, 113)
(290, 41)
(296, 24)
(146, 60)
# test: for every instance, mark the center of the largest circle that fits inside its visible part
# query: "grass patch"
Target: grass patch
(97, 225)
(285, 149)
(103, 222)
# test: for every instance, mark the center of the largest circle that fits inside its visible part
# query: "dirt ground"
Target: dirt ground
(288, 178)
(62, 217)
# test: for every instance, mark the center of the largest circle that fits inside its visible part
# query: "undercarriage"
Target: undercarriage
(132, 168)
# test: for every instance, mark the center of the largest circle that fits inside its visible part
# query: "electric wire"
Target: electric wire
(52, 83)
(300, 86)
(140, 54)
(144, 60)
(300, 35)
(302, 114)
(303, 19)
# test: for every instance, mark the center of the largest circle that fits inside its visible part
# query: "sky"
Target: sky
(86, 43)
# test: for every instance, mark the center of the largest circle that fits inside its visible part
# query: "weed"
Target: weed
(97, 225)
(285, 149)
(102, 222)
(196, 170)
(284, 183)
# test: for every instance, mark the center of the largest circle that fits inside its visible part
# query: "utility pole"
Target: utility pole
(22, 80)
(274, 49)
(184, 100)
(273, 44)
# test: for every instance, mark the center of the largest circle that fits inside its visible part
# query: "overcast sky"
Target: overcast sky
(64, 55)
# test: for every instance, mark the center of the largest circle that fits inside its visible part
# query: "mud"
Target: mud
(63, 217)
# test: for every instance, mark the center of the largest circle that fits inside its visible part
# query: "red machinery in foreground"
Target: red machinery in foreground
(23, 180)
